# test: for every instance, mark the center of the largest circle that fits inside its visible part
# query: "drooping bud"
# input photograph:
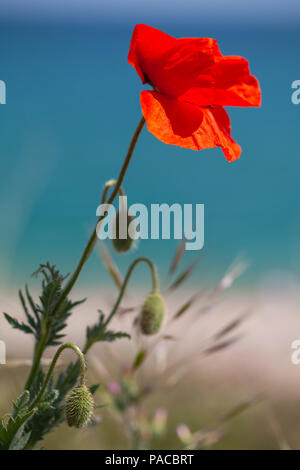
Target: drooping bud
(152, 314)
(79, 407)
(122, 245)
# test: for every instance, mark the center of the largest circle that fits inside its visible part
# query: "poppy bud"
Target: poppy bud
(79, 407)
(152, 314)
(122, 245)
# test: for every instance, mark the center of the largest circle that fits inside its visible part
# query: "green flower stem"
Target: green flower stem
(92, 241)
(51, 368)
(86, 253)
(127, 277)
(41, 346)
(155, 288)
(107, 186)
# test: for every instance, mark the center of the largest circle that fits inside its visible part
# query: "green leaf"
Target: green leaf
(43, 312)
(98, 332)
(21, 429)
(94, 388)
(19, 326)
(111, 336)
(52, 287)
(48, 400)
(12, 432)
(21, 403)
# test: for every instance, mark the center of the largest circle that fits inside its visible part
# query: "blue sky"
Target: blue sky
(273, 12)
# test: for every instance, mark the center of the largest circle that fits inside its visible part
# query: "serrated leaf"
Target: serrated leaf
(52, 287)
(45, 406)
(11, 433)
(48, 400)
(21, 403)
(94, 388)
(19, 326)
(29, 317)
(98, 332)
(24, 427)
(51, 396)
(111, 336)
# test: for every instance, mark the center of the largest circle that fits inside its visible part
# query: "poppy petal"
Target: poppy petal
(192, 69)
(146, 48)
(172, 65)
(231, 85)
(234, 86)
(176, 122)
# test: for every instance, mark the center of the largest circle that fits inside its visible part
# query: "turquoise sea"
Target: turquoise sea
(72, 106)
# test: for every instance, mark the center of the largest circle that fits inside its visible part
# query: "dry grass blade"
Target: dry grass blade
(169, 338)
(183, 276)
(238, 409)
(221, 346)
(208, 307)
(139, 359)
(111, 266)
(205, 439)
(183, 432)
(186, 306)
(231, 326)
(28, 362)
(177, 258)
(276, 428)
(124, 310)
(235, 271)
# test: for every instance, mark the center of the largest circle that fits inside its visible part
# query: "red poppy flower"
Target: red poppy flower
(191, 81)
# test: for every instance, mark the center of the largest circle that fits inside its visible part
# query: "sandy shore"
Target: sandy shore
(259, 360)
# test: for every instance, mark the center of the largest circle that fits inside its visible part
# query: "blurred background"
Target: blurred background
(72, 106)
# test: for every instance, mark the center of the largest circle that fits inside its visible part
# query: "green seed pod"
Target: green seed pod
(79, 407)
(152, 314)
(122, 245)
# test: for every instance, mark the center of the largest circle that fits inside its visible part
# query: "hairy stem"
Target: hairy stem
(127, 277)
(117, 304)
(93, 238)
(40, 348)
(51, 368)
